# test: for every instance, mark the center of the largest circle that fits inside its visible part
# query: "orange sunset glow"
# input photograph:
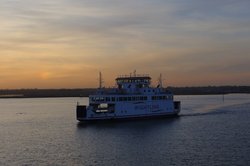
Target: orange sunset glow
(64, 44)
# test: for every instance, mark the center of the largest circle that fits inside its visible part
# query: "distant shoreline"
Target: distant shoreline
(85, 92)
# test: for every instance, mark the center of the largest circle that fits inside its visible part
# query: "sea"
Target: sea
(211, 130)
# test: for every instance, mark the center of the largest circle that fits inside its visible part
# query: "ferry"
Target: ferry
(132, 98)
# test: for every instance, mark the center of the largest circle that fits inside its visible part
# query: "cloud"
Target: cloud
(74, 37)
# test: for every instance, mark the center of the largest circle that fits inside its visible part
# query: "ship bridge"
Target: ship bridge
(133, 83)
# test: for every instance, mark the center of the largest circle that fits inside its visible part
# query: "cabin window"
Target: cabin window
(102, 106)
(129, 98)
(159, 97)
(113, 98)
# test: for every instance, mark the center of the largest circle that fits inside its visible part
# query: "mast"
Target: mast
(160, 81)
(134, 73)
(100, 80)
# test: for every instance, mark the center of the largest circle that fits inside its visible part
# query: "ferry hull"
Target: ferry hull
(170, 115)
(81, 115)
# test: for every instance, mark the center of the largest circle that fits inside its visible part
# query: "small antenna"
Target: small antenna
(134, 73)
(100, 80)
(160, 81)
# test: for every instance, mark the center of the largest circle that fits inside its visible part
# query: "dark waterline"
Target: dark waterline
(208, 131)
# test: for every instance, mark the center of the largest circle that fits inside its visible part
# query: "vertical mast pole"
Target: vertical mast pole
(100, 80)
(160, 81)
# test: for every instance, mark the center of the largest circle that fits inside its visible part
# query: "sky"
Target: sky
(65, 43)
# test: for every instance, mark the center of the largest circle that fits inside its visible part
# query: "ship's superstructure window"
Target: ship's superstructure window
(98, 99)
(133, 98)
(130, 98)
(113, 99)
(161, 97)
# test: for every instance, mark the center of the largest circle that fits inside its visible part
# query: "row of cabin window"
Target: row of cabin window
(134, 98)
(161, 97)
(132, 81)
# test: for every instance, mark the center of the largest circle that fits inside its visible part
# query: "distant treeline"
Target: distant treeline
(33, 93)
(209, 90)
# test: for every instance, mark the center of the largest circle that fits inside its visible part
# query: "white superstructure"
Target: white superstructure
(132, 98)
